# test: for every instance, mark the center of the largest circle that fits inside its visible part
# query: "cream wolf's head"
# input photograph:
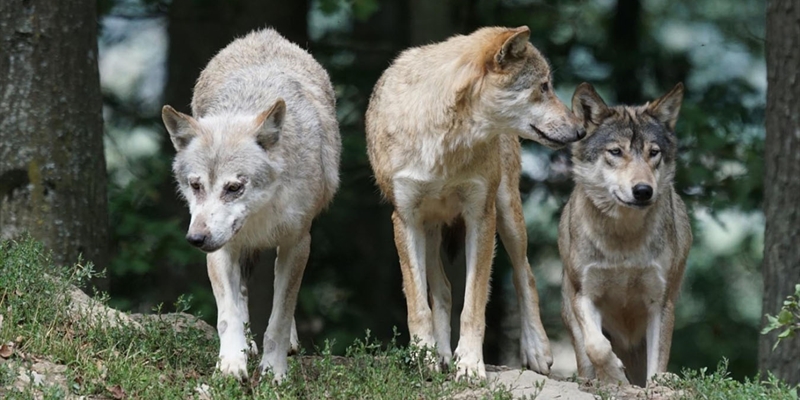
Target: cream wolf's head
(511, 88)
(628, 156)
(224, 168)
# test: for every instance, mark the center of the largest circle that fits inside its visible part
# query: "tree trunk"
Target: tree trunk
(781, 268)
(52, 166)
(624, 54)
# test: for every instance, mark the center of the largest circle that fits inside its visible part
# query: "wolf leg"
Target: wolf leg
(480, 232)
(289, 267)
(440, 293)
(585, 367)
(534, 345)
(226, 282)
(607, 365)
(660, 323)
(409, 237)
(294, 342)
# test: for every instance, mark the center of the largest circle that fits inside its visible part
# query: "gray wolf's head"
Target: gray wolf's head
(224, 169)
(513, 89)
(628, 156)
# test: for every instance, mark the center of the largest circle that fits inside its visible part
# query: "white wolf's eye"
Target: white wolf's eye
(195, 185)
(233, 187)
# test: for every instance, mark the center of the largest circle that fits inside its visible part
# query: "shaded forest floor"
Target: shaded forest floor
(56, 342)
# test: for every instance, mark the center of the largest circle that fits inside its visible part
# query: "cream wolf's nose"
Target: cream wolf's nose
(196, 239)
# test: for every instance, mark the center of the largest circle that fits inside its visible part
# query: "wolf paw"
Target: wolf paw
(470, 365)
(233, 365)
(275, 363)
(535, 353)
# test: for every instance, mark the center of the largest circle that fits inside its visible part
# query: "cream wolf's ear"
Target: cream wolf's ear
(588, 106)
(181, 127)
(513, 47)
(667, 107)
(269, 124)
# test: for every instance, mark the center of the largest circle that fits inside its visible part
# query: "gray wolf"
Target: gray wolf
(443, 127)
(624, 237)
(256, 163)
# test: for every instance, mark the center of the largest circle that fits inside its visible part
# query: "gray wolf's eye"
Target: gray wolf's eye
(545, 87)
(654, 152)
(235, 187)
(615, 152)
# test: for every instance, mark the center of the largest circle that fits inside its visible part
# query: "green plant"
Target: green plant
(787, 320)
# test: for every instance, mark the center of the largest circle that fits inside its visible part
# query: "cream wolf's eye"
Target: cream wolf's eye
(654, 152)
(616, 152)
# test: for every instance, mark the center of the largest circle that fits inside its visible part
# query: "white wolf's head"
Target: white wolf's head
(224, 168)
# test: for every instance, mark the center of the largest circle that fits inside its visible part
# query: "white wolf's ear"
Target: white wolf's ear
(513, 47)
(588, 106)
(269, 124)
(667, 107)
(181, 127)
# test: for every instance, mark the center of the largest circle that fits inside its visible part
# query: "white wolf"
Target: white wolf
(256, 164)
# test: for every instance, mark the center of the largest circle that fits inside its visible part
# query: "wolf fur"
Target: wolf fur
(442, 135)
(624, 237)
(257, 162)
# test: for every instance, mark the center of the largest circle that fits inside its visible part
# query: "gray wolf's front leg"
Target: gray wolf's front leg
(660, 323)
(607, 365)
(230, 293)
(289, 267)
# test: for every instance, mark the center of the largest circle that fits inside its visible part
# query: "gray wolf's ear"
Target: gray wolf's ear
(666, 108)
(181, 127)
(588, 106)
(269, 124)
(514, 45)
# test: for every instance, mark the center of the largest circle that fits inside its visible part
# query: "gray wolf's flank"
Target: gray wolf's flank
(257, 162)
(442, 135)
(624, 237)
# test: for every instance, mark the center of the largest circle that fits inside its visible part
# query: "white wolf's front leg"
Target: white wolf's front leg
(231, 298)
(534, 344)
(480, 251)
(289, 267)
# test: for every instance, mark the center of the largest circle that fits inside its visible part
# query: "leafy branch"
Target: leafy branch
(788, 318)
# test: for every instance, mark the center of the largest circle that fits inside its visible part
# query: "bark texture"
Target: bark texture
(52, 167)
(781, 267)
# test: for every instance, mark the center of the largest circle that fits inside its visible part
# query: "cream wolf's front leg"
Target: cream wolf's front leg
(230, 293)
(607, 365)
(289, 267)
(479, 247)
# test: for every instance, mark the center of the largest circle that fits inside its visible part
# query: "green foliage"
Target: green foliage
(720, 386)
(788, 319)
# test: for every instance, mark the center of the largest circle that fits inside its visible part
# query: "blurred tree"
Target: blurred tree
(52, 166)
(781, 267)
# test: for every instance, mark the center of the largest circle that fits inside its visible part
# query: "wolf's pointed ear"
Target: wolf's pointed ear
(666, 108)
(588, 106)
(181, 127)
(513, 47)
(269, 124)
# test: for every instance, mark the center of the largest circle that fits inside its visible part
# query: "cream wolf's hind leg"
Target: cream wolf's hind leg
(534, 344)
(440, 293)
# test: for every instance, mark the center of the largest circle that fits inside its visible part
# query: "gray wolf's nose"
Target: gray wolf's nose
(581, 133)
(642, 192)
(196, 239)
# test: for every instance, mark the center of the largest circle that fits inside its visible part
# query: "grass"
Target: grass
(154, 360)
(120, 360)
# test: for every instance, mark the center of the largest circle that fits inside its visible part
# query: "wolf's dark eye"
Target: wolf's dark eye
(615, 152)
(195, 185)
(545, 87)
(234, 187)
(654, 152)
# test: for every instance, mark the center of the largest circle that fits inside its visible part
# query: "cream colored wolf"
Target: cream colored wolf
(442, 134)
(624, 238)
(256, 164)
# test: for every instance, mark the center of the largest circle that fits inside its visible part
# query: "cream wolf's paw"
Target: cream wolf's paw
(234, 365)
(613, 372)
(535, 353)
(469, 364)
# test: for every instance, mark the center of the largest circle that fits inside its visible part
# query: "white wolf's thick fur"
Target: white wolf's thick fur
(256, 164)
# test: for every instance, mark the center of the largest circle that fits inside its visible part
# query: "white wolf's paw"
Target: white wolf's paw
(470, 365)
(445, 358)
(535, 353)
(234, 365)
(276, 363)
(252, 349)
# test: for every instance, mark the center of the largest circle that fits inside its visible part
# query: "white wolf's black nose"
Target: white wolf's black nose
(196, 239)
(642, 192)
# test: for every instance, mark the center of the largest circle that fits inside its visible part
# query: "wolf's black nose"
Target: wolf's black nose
(642, 192)
(581, 133)
(196, 239)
